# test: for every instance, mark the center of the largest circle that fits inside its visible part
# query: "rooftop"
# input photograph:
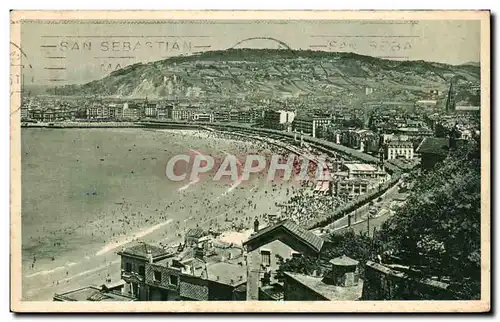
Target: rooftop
(225, 273)
(343, 261)
(467, 108)
(195, 232)
(91, 293)
(274, 291)
(437, 146)
(142, 250)
(401, 274)
(307, 237)
(360, 167)
(328, 291)
(398, 143)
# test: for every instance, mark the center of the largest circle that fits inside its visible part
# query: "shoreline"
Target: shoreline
(68, 270)
(80, 125)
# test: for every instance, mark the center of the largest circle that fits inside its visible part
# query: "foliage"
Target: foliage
(357, 246)
(258, 72)
(437, 231)
(356, 123)
(439, 227)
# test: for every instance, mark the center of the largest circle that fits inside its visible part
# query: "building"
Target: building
(393, 282)
(162, 112)
(362, 140)
(399, 149)
(195, 279)
(162, 280)
(310, 125)
(267, 247)
(248, 116)
(467, 109)
(94, 294)
(24, 112)
(340, 283)
(413, 132)
(151, 273)
(361, 170)
(150, 110)
(203, 117)
(432, 151)
(195, 236)
(131, 112)
(278, 120)
(221, 115)
(133, 267)
(222, 282)
(98, 112)
(350, 188)
(182, 114)
(169, 111)
(115, 111)
(426, 103)
(234, 115)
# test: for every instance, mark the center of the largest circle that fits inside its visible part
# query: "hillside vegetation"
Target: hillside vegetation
(274, 73)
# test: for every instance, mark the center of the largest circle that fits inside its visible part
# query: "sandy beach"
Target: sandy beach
(90, 192)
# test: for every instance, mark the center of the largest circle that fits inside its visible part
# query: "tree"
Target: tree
(356, 123)
(357, 246)
(438, 229)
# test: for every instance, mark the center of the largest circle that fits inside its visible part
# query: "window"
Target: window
(128, 267)
(266, 257)
(142, 271)
(135, 289)
(157, 276)
(173, 280)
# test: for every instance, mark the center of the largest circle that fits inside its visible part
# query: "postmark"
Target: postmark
(21, 73)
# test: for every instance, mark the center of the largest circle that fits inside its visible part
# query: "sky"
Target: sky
(82, 51)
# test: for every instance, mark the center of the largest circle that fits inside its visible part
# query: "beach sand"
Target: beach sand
(86, 193)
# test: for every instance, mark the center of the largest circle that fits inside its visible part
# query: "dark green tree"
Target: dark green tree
(439, 227)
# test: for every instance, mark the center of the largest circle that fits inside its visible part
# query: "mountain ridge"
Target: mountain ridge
(273, 73)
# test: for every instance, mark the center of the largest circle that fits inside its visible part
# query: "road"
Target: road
(359, 216)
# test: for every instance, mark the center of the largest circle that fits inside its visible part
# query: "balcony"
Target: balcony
(127, 275)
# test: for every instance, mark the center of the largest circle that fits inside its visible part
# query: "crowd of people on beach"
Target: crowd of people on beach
(211, 208)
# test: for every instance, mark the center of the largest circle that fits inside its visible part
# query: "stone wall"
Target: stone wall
(385, 283)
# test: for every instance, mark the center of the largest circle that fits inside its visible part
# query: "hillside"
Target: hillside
(274, 73)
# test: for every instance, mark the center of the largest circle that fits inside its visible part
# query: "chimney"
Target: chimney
(256, 225)
(343, 273)
(149, 255)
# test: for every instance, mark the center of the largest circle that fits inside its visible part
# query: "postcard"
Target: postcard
(250, 161)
